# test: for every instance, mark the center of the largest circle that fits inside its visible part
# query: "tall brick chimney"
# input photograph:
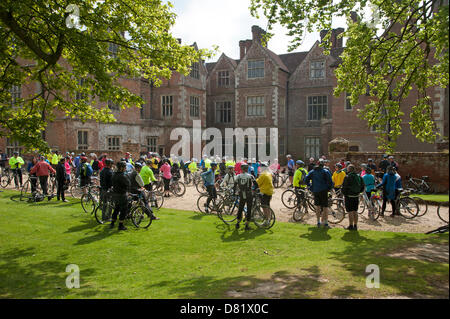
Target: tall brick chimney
(257, 33)
(335, 41)
(244, 46)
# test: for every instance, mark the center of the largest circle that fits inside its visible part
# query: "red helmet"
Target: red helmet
(83, 158)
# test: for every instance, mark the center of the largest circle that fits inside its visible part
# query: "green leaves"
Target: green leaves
(118, 39)
(403, 50)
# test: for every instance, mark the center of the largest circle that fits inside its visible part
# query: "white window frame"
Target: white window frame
(317, 69)
(256, 107)
(223, 78)
(310, 114)
(166, 106)
(113, 146)
(83, 146)
(152, 147)
(253, 70)
(195, 70)
(16, 93)
(312, 149)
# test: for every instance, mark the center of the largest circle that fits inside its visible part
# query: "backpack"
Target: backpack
(244, 182)
(357, 187)
(304, 173)
(86, 170)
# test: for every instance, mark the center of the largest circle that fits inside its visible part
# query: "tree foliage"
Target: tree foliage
(77, 62)
(393, 49)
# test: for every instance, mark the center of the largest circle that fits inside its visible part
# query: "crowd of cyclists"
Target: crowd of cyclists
(245, 178)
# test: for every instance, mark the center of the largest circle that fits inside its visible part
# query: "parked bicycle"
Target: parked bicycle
(90, 199)
(279, 179)
(419, 185)
(442, 212)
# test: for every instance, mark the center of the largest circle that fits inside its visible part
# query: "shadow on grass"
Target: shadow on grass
(281, 284)
(240, 234)
(413, 278)
(22, 277)
(316, 234)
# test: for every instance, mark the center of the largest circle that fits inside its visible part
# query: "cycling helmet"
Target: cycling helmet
(121, 165)
(16, 153)
(83, 158)
(289, 156)
(137, 164)
(339, 165)
(109, 161)
(213, 164)
(299, 162)
(244, 166)
(264, 164)
(230, 166)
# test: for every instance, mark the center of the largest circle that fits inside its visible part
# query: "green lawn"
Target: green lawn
(433, 198)
(186, 255)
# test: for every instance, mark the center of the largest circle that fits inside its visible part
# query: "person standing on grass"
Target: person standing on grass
(209, 179)
(3, 160)
(106, 176)
(42, 171)
(351, 188)
(321, 185)
(167, 176)
(61, 179)
(147, 175)
(266, 188)
(244, 182)
(86, 172)
(392, 185)
(291, 167)
(68, 168)
(16, 163)
(120, 184)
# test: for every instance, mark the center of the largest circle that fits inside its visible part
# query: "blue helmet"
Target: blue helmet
(299, 162)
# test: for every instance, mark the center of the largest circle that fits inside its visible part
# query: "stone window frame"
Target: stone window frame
(16, 93)
(165, 104)
(83, 146)
(227, 78)
(194, 107)
(222, 108)
(113, 146)
(348, 102)
(195, 70)
(308, 112)
(113, 50)
(254, 69)
(308, 146)
(152, 147)
(314, 68)
(12, 146)
(255, 105)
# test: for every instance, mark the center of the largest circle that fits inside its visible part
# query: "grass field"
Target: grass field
(186, 255)
(433, 198)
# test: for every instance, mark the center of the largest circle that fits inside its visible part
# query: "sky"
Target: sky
(224, 23)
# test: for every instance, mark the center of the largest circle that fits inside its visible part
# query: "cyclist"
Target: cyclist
(275, 166)
(338, 177)
(266, 188)
(193, 166)
(120, 186)
(393, 163)
(371, 165)
(299, 180)
(229, 179)
(128, 158)
(321, 185)
(147, 175)
(369, 181)
(42, 169)
(61, 179)
(392, 185)
(223, 167)
(137, 184)
(33, 177)
(3, 160)
(16, 163)
(384, 164)
(255, 166)
(290, 167)
(85, 173)
(351, 188)
(363, 170)
(244, 182)
(55, 159)
(209, 181)
(106, 176)
(167, 176)
(311, 164)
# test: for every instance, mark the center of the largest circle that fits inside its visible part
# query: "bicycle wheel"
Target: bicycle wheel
(156, 201)
(442, 212)
(5, 180)
(88, 203)
(103, 213)
(289, 199)
(25, 191)
(407, 207)
(201, 204)
(76, 191)
(376, 209)
(141, 216)
(300, 212)
(201, 188)
(336, 211)
(228, 211)
(260, 220)
(276, 181)
(178, 189)
(362, 205)
(423, 206)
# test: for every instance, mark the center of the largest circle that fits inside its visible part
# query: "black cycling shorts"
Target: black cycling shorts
(351, 204)
(321, 198)
(265, 200)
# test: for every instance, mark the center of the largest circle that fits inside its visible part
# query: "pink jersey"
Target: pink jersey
(165, 168)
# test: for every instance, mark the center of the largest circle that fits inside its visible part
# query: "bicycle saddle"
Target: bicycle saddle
(424, 177)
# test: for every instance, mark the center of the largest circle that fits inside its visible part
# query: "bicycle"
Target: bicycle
(215, 205)
(279, 179)
(405, 205)
(7, 176)
(419, 184)
(26, 192)
(138, 212)
(336, 210)
(104, 209)
(90, 200)
(373, 204)
(442, 212)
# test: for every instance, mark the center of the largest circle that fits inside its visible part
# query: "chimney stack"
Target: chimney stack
(244, 46)
(335, 41)
(257, 33)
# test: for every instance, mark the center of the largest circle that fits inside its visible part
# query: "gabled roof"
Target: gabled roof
(277, 60)
(292, 60)
(210, 66)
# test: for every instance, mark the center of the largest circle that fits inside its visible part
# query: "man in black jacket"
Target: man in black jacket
(106, 176)
(352, 186)
(61, 179)
(120, 184)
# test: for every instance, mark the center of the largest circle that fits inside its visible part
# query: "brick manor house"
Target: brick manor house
(292, 92)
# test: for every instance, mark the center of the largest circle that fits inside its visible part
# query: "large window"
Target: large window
(223, 112)
(83, 140)
(255, 106)
(255, 69)
(317, 69)
(195, 70)
(194, 106)
(151, 143)
(11, 147)
(312, 147)
(223, 78)
(79, 95)
(317, 107)
(113, 143)
(167, 105)
(113, 49)
(16, 94)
